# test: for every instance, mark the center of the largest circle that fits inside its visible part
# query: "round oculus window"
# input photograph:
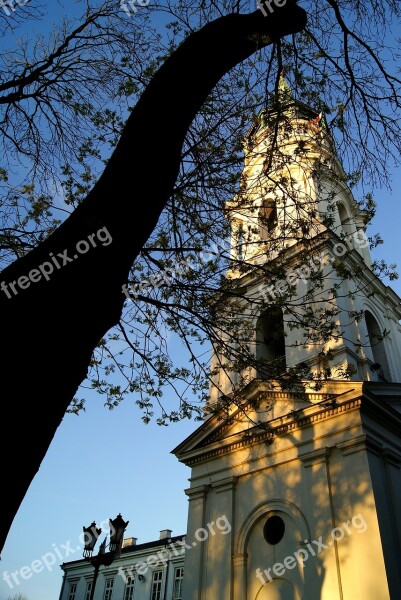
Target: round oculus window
(274, 530)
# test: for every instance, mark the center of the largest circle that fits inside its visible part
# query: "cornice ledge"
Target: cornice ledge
(201, 454)
(358, 444)
(315, 457)
(225, 485)
(198, 492)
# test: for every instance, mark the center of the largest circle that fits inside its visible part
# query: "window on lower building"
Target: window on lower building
(72, 591)
(108, 589)
(129, 588)
(157, 585)
(88, 590)
(178, 578)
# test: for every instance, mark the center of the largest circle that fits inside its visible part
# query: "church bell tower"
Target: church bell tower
(300, 452)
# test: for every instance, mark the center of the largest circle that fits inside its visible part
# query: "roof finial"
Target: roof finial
(284, 90)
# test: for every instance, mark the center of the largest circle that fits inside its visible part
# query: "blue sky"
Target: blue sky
(99, 464)
(105, 462)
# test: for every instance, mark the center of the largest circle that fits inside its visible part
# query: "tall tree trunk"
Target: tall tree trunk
(50, 329)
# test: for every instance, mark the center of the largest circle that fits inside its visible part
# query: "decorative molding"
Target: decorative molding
(240, 560)
(319, 415)
(379, 438)
(225, 485)
(315, 457)
(364, 443)
(256, 391)
(109, 572)
(358, 444)
(391, 457)
(197, 492)
(263, 509)
(215, 428)
(208, 454)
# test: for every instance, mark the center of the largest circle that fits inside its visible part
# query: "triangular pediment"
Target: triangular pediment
(252, 415)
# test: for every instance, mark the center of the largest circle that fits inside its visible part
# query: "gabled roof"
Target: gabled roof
(230, 428)
(259, 414)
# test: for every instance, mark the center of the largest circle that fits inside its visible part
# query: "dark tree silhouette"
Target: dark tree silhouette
(55, 324)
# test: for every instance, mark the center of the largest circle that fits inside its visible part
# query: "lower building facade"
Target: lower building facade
(149, 571)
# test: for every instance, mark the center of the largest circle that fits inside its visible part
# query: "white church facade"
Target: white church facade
(306, 477)
(310, 479)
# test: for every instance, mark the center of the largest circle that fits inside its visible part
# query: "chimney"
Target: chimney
(131, 541)
(165, 534)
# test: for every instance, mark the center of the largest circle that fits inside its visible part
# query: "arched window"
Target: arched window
(267, 218)
(270, 339)
(376, 341)
(240, 242)
(345, 220)
(237, 249)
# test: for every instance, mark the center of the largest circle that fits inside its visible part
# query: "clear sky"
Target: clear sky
(102, 463)
(99, 464)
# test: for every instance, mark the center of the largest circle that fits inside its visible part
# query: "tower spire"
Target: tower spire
(284, 95)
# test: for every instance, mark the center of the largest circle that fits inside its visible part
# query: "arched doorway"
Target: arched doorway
(273, 538)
